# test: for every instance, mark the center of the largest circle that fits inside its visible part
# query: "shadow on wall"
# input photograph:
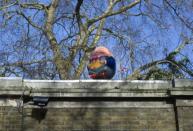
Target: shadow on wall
(39, 113)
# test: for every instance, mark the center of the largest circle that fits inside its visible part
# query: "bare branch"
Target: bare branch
(188, 25)
(21, 63)
(37, 6)
(8, 6)
(29, 20)
(107, 14)
(168, 59)
(77, 12)
(178, 49)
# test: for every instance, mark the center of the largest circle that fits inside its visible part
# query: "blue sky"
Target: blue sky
(150, 39)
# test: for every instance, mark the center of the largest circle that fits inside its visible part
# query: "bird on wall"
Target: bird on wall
(102, 64)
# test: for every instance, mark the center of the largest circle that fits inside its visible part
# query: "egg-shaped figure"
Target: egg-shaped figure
(102, 64)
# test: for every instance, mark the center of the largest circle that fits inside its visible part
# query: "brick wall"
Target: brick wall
(10, 119)
(185, 117)
(96, 105)
(132, 119)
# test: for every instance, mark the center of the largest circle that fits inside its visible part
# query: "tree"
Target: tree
(53, 40)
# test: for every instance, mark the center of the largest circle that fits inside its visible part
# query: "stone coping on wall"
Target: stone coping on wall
(98, 93)
(96, 88)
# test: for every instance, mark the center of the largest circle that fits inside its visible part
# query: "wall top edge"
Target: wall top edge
(18, 81)
(101, 81)
(11, 78)
(86, 80)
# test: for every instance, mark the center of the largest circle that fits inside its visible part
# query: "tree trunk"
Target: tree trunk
(59, 60)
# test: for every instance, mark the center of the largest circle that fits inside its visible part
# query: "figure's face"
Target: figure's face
(97, 61)
(97, 58)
